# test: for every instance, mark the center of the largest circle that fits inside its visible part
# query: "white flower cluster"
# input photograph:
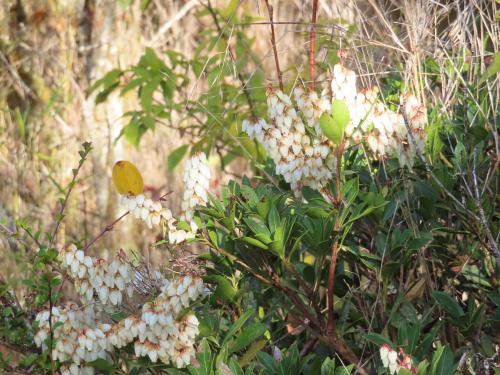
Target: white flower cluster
(145, 209)
(384, 130)
(156, 333)
(301, 160)
(76, 335)
(75, 369)
(395, 361)
(304, 159)
(109, 280)
(311, 106)
(196, 180)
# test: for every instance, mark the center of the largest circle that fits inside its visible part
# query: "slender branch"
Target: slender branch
(310, 291)
(273, 42)
(312, 46)
(308, 347)
(335, 247)
(265, 23)
(106, 229)
(83, 154)
(331, 284)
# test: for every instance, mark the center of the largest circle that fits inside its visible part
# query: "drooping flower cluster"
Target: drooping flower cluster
(155, 331)
(145, 209)
(302, 160)
(77, 336)
(384, 131)
(395, 361)
(294, 140)
(196, 180)
(93, 276)
(311, 106)
(75, 369)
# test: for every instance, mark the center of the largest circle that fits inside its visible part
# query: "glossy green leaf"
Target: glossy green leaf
(448, 303)
(176, 156)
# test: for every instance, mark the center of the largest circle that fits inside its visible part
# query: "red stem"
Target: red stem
(273, 42)
(312, 46)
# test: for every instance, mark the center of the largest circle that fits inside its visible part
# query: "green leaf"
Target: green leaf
(329, 128)
(273, 218)
(131, 85)
(435, 359)
(446, 364)
(205, 361)
(448, 304)
(344, 370)
(249, 335)
(229, 10)
(133, 132)
(176, 156)
(340, 114)
(255, 242)
(224, 289)
(235, 367)
(235, 327)
(147, 93)
(151, 58)
(422, 368)
(403, 371)
(250, 354)
(328, 367)
(109, 79)
(333, 125)
(102, 365)
(257, 226)
(173, 371)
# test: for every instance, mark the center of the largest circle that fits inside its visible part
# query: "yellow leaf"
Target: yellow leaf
(127, 178)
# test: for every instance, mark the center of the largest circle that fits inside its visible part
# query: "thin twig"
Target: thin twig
(312, 46)
(178, 15)
(106, 229)
(265, 23)
(86, 149)
(273, 42)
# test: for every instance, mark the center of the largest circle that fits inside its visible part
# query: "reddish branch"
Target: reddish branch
(312, 46)
(106, 229)
(273, 42)
(335, 247)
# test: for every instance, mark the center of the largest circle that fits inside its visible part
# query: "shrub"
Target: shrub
(364, 240)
